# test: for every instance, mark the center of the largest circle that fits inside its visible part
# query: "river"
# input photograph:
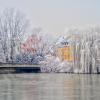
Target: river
(49, 86)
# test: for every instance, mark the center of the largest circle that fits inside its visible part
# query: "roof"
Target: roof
(62, 41)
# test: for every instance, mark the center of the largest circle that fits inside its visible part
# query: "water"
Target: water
(49, 87)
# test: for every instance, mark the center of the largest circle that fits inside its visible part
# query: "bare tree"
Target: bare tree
(13, 25)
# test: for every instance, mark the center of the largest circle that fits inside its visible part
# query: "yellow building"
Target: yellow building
(65, 53)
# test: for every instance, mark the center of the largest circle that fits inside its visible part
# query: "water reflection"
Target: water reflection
(49, 87)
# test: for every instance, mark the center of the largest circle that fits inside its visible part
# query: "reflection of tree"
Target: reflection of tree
(45, 86)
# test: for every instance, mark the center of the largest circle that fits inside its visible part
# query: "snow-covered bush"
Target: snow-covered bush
(27, 59)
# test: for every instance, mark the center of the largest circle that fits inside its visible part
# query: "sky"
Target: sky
(54, 16)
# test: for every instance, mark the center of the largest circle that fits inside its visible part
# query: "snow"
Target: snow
(86, 52)
(85, 45)
(54, 64)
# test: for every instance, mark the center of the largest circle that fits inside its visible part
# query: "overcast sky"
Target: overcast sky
(55, 15)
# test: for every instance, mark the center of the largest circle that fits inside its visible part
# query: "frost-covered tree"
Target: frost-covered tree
(85, 44)
(13, 26)
(42, 45)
